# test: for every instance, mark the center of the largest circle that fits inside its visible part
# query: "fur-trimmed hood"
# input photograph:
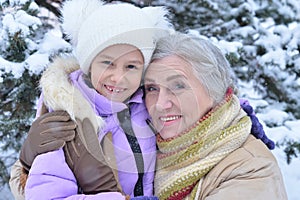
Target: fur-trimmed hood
(60, 94)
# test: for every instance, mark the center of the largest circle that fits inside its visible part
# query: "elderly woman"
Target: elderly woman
(206, 150)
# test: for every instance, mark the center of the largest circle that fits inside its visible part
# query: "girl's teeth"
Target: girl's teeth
(114, 90)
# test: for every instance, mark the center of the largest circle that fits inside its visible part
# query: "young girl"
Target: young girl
(113, 43)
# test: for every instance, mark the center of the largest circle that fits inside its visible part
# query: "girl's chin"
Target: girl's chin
(113, 97)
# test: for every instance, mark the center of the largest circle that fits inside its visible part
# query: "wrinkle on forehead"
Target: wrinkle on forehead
(162, 70)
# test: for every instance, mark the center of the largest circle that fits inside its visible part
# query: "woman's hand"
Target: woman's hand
(257, 129)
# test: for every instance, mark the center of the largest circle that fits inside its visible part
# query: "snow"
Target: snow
(51, 43)
(13, 26)
(275, 57)
(273, 116)
(230, 46)
(28, 20)
(36, 62)
(55, 43)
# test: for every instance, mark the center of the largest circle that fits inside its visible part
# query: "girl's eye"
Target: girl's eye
(107, 62)
(131, 67)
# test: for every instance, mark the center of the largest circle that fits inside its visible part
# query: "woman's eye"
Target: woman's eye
(150, 88)
(178, 86)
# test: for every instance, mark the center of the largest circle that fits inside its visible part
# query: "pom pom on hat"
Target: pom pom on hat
(158, 16)
(93, 26)
(73, 15)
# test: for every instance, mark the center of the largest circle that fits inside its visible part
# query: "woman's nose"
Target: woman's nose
(164, 100)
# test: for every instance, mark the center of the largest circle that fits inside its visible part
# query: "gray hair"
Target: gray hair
(208, 62)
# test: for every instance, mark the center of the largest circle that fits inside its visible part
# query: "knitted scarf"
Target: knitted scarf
(184, 160)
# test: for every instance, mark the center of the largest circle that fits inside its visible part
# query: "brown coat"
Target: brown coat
(250, 172)
(16, 180)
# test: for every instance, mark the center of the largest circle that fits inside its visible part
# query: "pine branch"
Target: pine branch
(49, 6)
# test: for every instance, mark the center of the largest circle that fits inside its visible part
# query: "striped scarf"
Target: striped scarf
(184, 160)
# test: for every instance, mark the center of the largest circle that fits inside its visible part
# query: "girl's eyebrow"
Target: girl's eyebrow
(105, 56)
(137, 62)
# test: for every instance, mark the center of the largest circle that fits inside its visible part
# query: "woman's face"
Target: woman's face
(175, 98)
(116, 71)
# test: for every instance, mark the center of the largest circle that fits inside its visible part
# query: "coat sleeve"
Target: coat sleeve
(15, 182)
(245, 185)
(250, 172)
(51, 178)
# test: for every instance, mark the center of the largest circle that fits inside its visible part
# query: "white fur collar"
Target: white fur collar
(60, 94)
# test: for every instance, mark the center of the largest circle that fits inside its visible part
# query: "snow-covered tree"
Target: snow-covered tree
(25, 49)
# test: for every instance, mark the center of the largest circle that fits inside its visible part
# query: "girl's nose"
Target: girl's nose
(116, 74)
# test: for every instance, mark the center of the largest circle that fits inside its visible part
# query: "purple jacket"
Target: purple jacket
(51, 178)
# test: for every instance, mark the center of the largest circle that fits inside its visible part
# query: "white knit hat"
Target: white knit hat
(93, 25)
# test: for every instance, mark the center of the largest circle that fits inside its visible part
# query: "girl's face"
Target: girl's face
(175, 98)
(116, 72)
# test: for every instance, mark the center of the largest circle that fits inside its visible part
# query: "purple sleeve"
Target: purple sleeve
(149, 161)
(51, 178)
(39, 106)
(148, 183)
